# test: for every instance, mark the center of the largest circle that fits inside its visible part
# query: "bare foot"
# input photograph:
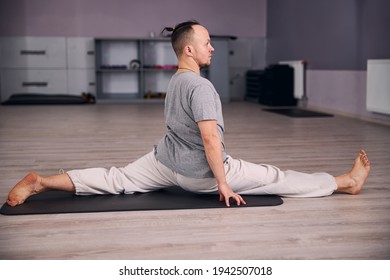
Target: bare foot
(28, 186)
(352, 182)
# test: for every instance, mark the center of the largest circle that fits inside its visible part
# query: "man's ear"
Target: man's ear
(188, 50)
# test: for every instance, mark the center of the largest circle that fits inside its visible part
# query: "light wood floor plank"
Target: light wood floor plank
(47, 138)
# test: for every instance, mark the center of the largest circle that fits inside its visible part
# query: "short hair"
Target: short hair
(181, 34)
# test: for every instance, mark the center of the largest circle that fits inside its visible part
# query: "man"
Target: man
(192, 153)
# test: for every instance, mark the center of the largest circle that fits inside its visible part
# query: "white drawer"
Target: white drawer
(33, 52)
(80, 52)
(81, 80)
(33, 81)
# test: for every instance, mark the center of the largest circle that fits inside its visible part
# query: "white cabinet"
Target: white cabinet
(80, 53)
(378, 86)
(219, 68)
(46, 65)
(32, 52)
(80, 65)
(33, 81)
(81, 80)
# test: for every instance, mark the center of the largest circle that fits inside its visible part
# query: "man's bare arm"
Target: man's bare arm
(213, 149)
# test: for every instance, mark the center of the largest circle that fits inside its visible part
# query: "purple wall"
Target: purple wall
(128, 18)
(329, 34)
(342, 92)
(336, 38)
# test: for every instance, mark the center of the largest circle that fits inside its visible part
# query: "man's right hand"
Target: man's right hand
(225, 193)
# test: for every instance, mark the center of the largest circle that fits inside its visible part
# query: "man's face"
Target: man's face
(203, 50)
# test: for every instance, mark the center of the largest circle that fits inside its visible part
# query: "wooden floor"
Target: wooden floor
(45, 139)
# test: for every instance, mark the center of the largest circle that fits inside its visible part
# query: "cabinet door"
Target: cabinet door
(32, 52)
(219, 68)
(80, 53)
(240, 53)
(33, 81)
(378, 86)
(81, 80)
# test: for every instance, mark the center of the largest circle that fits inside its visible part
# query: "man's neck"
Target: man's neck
(183, 69)
(184, 66)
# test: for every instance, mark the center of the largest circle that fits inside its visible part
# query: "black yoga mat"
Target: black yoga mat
(44, 99)
(298, 113)
(56, 202)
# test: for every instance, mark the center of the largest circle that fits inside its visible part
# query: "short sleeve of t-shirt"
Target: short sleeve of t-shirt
(203, 103)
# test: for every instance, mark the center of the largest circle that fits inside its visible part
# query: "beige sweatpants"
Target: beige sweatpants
(147, 174)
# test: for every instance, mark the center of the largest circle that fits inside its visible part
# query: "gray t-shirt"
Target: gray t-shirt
(190, 98)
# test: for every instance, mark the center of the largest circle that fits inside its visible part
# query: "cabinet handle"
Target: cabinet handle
(35, 84)
(90, 53)
(33, 52)
(91, 84)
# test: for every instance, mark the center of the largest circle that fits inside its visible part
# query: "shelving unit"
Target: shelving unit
(139, 69)
(133, 69)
